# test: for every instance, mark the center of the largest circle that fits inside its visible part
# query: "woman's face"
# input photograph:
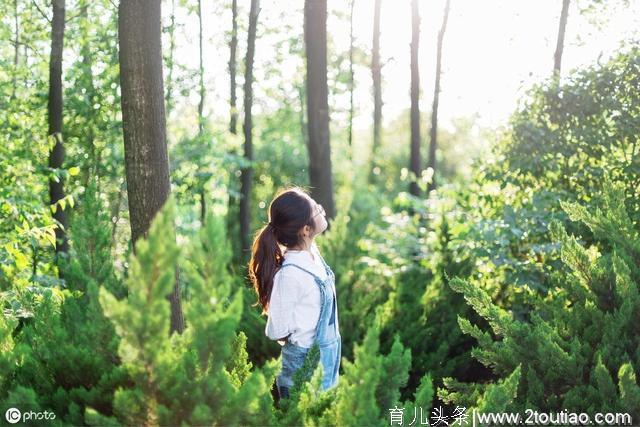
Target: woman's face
(319, 218)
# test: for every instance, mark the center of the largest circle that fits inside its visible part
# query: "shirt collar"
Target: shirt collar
(299, 255)
(304, 255)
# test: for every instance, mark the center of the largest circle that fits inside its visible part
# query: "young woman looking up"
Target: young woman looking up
(296, 287)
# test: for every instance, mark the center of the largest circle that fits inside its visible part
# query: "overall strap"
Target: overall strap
(333, 304)
(320, 332)
(326, 266)
(304, 269)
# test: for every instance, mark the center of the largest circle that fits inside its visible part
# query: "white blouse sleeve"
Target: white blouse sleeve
(284, 296)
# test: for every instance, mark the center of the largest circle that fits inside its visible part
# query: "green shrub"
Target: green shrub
(578, 349)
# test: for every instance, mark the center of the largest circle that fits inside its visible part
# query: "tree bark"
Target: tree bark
(85, 53)
(351, 78)
(16, 48)
(376, 73)
(200, 72)
(143, 122)
(433, 144)
(315, 37)
(172, 47)
(232, 205)
(56, 155)
(301, 115)
(414, 161)
(247, 173)
(203, 204)
(201, 119)
(233, 46)
(564, 14)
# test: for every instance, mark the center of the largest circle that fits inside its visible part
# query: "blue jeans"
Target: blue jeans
(283, 392)
(293, 357)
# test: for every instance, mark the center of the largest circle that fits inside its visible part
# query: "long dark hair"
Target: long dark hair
(289, 211)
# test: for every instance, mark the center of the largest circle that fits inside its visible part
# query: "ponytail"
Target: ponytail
(266, 258)
(289, 211)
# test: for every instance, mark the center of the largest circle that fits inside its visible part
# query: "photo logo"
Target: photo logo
(12, 415)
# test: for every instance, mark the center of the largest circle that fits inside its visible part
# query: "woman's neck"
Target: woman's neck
(298, 249)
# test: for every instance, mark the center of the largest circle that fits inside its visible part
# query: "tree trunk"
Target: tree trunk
(301, 115)
(233, 45)
(172, 47)
(56, 155)
(351, 79)
(201, 120)
(87, 77)
(564, 14)
(16, 48)
(433, 144)
(232, 207)
(315, 37)
(414, 162)
(143, 122)
(247, 173)
(203, 205)
(200, 73)
(25, 61)
(376, 73)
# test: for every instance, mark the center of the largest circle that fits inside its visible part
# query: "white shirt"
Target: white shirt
(294, 306)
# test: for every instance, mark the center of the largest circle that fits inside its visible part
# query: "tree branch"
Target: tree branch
(72, 17)
(44, 15)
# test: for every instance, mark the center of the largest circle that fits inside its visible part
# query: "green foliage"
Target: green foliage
(202, 376)
(357, 400)
(91, 263)
(64, 354)
(580, 332)
(369, 388)
(560, 144)
(7, 344)
(419, 306)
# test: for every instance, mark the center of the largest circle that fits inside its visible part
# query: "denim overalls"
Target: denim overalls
(327, 336)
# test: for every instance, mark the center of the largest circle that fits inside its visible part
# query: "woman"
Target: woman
(295, 286)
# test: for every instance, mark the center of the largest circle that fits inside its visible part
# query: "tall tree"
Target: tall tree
(302, 99)
(414, 161)
(433, 143)
(564, 14)
(201, 119)
(172, 48)
(200, 72)
(233, 46)
(376, 73)
(232, 204)
(143, 122)
(88, 85)
(315, 38)
(16, 47)
(247, 172)
(351, 76)
(56, 155)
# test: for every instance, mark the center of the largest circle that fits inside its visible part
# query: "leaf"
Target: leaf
(50, 236)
